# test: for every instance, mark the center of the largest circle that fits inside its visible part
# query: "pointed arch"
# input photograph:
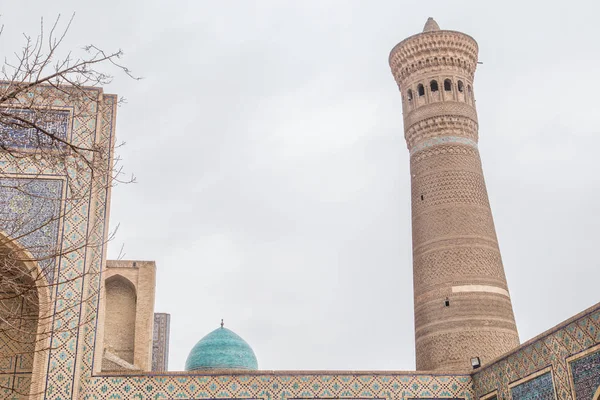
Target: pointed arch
(119, 329)
(27, 302)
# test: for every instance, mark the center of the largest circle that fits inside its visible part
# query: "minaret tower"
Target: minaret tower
(462, 304)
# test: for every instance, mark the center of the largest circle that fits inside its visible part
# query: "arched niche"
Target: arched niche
(119, 328)
(25, 321)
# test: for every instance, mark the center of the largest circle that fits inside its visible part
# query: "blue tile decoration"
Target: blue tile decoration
(280, 386)
(30, 210)
(538, 388)
(440, 140)
(551, 349)
(221, 348)
(586, 375)
(19, 135)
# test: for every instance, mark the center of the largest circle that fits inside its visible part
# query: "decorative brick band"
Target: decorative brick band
(480, 288)
(443, 140)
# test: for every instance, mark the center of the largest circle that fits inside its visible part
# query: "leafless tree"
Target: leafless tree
(43, 89)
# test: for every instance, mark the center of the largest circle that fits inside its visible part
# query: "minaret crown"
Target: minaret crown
(431, 25)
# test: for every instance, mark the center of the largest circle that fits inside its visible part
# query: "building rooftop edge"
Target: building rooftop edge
(112, 264)
(576, 317)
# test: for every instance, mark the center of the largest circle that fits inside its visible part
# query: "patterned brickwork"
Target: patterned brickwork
(280, 386)
(443, 140)
(462, 303)
(557, 349)
(435, 267)
(455, 126)
(450, 156)
(448, 187)
(434, 51)
(538, 388)
(442, 110)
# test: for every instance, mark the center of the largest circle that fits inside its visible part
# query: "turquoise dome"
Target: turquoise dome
(221, 349)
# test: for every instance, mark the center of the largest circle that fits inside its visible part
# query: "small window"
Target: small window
(409, 95)
(421, 90)
(461, 86)
(448, 85)
(469, 90)
(434, 86)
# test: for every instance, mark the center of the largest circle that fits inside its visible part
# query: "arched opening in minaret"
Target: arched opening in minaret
(461, 86)
(448, 85)
(409, 95)
(434, 86)
(421, 90)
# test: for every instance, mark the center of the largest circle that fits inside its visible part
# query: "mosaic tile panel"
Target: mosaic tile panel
(30, 210)
(17, 134)
(586, 375)
(551, 349)
(538, 388)
(160, 342)
(279, 386)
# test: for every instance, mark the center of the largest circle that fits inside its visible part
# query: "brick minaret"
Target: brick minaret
(462, 303)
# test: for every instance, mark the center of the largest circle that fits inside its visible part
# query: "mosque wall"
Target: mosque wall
(279, 385)
(55, 210)
(127, 315)
(562, 363)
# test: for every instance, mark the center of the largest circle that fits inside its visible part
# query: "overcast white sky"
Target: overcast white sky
(273, 179)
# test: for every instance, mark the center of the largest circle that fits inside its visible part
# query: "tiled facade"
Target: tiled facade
(282, 385)
(570, 352)
(160, 342)
(539, 387)
(74, 275)
(585, 373)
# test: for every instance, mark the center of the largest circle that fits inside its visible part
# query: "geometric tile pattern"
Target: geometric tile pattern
(160, 342)
(586, 375)
(30, 210)
(280, 386)
(104, 138)
(540, 387)
(76, 273)
(551, 349)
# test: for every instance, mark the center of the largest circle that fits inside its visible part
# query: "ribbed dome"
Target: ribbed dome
(221, 349)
